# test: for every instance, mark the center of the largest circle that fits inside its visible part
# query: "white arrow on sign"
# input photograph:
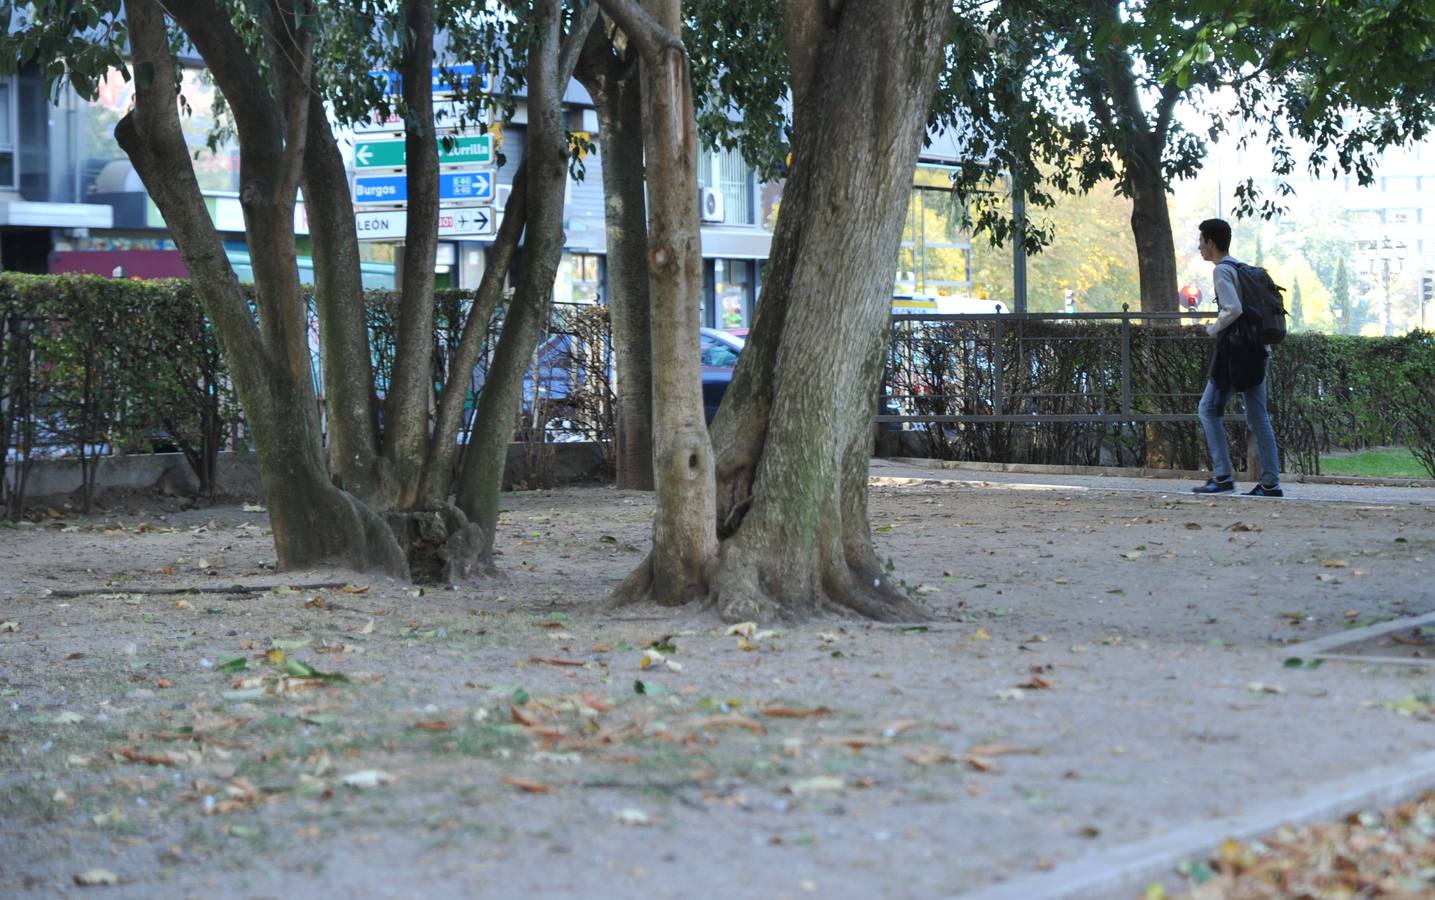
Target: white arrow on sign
(455, 221)
(363, 154)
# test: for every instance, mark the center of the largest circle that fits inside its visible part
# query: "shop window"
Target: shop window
(732, 291)
(7, 134)
(580, 279)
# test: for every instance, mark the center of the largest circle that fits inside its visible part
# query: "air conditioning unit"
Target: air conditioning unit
(710, 204)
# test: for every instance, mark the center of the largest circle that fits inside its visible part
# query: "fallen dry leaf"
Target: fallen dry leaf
(1002, 750)
(1036, 683)
(368, 778)
(96, 877)
(355, 589)
(980, 764)
(556, 661)
(433, 725)
(729, 720)
(742, 629)
(527, 785)
(817, 785)
(9, 627)
(789, 712)
(632, 816)
(1334, 563)
(927, 755)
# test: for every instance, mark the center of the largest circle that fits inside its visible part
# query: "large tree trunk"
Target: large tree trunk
(680, 566)
(613, 83)
(1151, 226)
(547, 156)
(313, 521)
(406, 408)
(794, 434)
(339, 300)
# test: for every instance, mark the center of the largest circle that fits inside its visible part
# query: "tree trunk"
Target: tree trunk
(794, 434)
(339, 301)
(680, 566)
(440, 467)
(406, 408)
(313, 521)
(614, 86)
(1151, 226)
(547, 160)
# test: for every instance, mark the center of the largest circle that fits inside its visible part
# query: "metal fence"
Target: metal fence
(1066, 388)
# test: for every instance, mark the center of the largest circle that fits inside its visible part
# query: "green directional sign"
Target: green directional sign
(474, 149)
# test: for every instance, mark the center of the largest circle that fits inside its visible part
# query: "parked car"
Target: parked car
(563, 363)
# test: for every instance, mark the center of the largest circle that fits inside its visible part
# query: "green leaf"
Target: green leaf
(520, 697)
(233, 664)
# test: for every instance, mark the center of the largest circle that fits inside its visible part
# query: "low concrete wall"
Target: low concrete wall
(238, 473)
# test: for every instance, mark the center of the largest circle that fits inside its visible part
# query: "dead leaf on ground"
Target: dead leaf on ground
(817, 785)
(981, 764)
(433, 725)
(368, 778)
(96, 878)
(527, 785)
(556, 661)
(1002, 750)
(789, 712)
(927, 755)
(729, 720)
(1036, 683)
(355, 589)
(1334, 563)
(9, 627)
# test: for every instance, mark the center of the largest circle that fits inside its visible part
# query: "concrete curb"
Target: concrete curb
(1125, 871)
(1117, 472)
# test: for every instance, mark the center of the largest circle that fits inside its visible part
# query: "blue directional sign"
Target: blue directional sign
(381, 189)
(457, 80)
(474, 187)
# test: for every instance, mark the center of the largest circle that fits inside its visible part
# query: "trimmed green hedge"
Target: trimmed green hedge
(92, 365)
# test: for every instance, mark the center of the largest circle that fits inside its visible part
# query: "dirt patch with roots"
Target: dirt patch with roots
(1102, 666)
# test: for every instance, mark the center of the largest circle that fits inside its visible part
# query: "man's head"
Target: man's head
(1215, 238)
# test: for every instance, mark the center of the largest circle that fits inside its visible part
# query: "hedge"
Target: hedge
(92, 365)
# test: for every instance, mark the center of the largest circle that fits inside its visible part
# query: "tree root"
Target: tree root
(442, 545)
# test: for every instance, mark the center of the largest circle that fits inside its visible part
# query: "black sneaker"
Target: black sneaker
(1261, 490)
(1215, 486)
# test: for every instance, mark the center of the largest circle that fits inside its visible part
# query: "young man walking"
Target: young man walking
(1240, 363)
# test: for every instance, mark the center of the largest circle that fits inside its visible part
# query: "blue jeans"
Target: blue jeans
(1213, 407)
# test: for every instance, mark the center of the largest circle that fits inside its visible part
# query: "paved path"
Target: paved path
(956, 472)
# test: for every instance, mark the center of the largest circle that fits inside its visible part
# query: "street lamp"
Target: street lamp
(1390, 255)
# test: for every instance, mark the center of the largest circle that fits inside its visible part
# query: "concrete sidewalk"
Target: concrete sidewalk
(1043, 477)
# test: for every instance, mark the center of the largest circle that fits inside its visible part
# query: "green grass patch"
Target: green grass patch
(1382, 462)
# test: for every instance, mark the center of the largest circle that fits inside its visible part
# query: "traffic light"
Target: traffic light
(1427, 287)
(1190, 296)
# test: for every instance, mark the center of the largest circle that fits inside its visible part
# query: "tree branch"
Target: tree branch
(649, 34)
(291, 59)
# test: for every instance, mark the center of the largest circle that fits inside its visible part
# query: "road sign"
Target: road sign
(447, 115)
(458, 78)
(474, 187)
(474, 149)
(456, 221)
(378, 154)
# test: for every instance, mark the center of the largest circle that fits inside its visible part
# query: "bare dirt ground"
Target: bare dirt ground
(1104, 665)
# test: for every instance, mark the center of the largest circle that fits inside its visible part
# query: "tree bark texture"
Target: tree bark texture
(680, 566)
(339, 300)
(612, 80)
(410, 395)
(313, 521)
(547, 161)
(793, 437)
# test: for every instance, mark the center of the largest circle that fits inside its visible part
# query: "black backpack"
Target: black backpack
(1261, 302)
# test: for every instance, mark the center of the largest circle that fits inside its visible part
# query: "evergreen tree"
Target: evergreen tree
(1295, 314)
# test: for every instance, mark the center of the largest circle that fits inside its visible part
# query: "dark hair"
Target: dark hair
(1218, 232)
